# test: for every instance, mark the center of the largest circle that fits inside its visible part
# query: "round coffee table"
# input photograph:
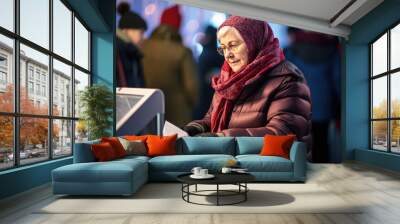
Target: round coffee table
(238, 179)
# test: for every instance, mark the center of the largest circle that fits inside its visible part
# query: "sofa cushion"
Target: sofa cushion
(249, 145)
(206, 145)
(257, 163)
(112, 171)
(132, 158)
(185, 163)
(83, 152)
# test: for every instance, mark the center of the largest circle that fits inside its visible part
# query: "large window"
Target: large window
(44, 64)
(385, 91)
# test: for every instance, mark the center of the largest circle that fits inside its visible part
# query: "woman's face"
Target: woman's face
(234, 48)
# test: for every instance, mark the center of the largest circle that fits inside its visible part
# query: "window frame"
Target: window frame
(388, 74)
(16, 114)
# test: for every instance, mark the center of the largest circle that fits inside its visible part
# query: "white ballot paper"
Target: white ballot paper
(171, 129)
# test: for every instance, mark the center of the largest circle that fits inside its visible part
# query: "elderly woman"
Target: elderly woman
(257, 92)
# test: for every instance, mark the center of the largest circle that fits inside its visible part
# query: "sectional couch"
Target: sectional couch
(125, 176)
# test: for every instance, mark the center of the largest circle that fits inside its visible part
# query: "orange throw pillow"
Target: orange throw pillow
(275, 145)
(160, 146)
(136, 137)
(116, 145)
(103, 151)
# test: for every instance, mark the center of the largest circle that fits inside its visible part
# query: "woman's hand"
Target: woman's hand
(209, 134)
(191, 130)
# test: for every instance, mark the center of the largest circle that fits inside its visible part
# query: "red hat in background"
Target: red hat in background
(171, 16)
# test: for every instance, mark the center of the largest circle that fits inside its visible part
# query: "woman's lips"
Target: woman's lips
(234, 62)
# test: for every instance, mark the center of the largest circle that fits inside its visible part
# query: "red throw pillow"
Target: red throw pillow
(103, 151)
(116, 145)
(136, 137)
(277, 145)
(159, 146)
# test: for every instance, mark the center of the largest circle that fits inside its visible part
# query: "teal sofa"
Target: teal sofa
(125, 176)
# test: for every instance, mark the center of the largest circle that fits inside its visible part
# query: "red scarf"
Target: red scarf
(264, 53)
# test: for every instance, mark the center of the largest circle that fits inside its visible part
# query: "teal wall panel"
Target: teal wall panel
(24, 178)
(377, 158)
(103, 54)
(356, 127)
(103, 68)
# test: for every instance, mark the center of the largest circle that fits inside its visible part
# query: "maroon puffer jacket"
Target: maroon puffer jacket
(277, 103)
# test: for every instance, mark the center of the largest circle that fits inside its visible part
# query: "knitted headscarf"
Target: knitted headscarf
(264, 53)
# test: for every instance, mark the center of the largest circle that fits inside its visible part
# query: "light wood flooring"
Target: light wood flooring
(377, 188)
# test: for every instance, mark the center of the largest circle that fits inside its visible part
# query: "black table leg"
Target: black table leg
(196, 188)
(188, 190)
(217, 194)
(245, 193)
(182, 190)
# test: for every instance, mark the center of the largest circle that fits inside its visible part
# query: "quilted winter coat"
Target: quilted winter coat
(277, 103)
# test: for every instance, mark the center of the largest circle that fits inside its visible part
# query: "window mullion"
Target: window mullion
(50, 81)
(73, 83)
(389, 106)
(16, 84)
(371, 89)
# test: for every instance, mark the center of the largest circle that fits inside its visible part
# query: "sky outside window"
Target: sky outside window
(379, 56)
(395, 47)
(62, 29)
(7, 14)
(35, 21)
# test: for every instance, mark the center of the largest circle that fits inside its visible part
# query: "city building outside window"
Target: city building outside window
(25, 137)
(43, 90)
(37, 74)
(30, 87)
(3, 61)
(3, 72)
(3, 78)
(44, 77)
(30, 72)
(38, 89)
(385, 91)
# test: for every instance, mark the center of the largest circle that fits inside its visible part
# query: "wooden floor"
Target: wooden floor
(378, 189)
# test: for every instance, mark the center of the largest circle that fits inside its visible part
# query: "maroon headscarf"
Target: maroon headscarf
(264, 53)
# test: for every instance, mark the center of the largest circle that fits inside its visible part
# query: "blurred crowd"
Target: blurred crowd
(162, 61)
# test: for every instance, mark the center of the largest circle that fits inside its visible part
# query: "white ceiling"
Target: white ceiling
(324, 9)
(325, 16)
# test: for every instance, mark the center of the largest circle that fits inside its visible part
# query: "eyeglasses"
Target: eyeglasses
(231, 47)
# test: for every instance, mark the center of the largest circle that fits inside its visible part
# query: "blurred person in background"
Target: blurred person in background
(209, 64)
(258, 92)
(317, 55)
(130, 34)
(170, 66)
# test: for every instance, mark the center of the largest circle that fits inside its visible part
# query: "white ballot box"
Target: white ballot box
(171, 129)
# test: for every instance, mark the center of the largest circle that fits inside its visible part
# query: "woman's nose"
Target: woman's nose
(229, 54)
